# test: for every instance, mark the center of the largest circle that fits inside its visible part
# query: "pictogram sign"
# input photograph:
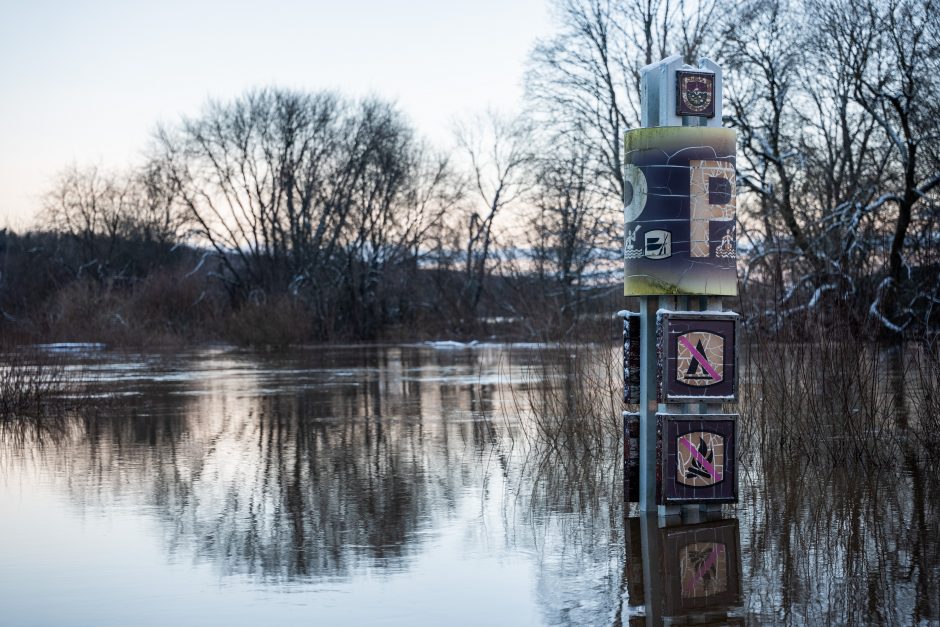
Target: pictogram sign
(695, 458)
(697, 352)
(700, 456)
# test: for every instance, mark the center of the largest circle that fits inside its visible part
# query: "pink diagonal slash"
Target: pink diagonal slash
(704, 568)
(701, 359)
(701, 458)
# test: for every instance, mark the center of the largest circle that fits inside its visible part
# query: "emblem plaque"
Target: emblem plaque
(695, 94)
(631, 356)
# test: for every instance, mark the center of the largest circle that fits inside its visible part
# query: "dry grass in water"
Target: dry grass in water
(32, 386)
(822, 397)
(571, 398)
(831, 399)
(925, 399)
(39, 394)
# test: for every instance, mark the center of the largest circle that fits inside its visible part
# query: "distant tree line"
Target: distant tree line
(285, 215)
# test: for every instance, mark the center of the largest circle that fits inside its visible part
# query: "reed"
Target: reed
(42, 397)
(817, 394)
(824, 396)
(925, 398)
(571, 398)
(31, 386)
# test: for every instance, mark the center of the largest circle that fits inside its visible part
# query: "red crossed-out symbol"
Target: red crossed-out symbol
(700, 358)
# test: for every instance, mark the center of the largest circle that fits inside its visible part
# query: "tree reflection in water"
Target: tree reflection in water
(330, 464)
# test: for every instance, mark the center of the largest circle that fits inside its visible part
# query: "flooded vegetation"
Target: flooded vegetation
(225, 394)
(435, 483)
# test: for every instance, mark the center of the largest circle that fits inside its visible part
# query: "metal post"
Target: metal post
(648, 404)
(661, 106)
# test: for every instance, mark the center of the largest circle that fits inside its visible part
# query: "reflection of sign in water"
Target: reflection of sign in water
(700, 358)
(700, 458)
(697, 355)
(703, 569)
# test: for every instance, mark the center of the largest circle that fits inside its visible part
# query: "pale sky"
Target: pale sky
(86, 82)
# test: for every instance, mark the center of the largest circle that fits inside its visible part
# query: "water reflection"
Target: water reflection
(681, 569)
(327, 470)
(292, 471)
(856, 545)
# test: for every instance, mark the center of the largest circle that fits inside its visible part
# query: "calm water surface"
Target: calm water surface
(403, 486)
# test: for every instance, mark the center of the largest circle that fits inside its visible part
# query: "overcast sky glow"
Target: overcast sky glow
(86, 82)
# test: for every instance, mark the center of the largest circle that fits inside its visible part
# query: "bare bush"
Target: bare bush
(32, 387)
(122, 224)
(572, 397)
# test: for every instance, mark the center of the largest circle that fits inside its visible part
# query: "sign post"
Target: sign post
(680, 259)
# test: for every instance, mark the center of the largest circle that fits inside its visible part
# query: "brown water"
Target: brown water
(404, 486)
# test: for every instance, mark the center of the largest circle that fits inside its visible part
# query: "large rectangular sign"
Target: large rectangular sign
(679, 211)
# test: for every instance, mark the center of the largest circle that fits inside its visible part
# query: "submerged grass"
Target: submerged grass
(32, 386)
(925, 400)
(828, 398)
(40, 392)
(572, 398)
(822, 397)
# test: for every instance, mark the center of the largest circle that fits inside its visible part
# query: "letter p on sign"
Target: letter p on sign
(711, 197)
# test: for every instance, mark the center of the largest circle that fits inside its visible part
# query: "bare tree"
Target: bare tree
(498, 149)
(895, 77)
(585, 81)
(108, 214)
(573, 239)
(764, 52)
(308, 194)
(89, 206)
(833, 104)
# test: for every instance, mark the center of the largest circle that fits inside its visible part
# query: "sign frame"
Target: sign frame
(668, 388)
(725, 533)
(631, 357)
(631, 457)
(684, 106)
(671, 427)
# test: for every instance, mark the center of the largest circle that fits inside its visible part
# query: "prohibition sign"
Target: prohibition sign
(700, 371)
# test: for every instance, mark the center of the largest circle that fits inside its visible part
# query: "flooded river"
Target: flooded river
(405, 485)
